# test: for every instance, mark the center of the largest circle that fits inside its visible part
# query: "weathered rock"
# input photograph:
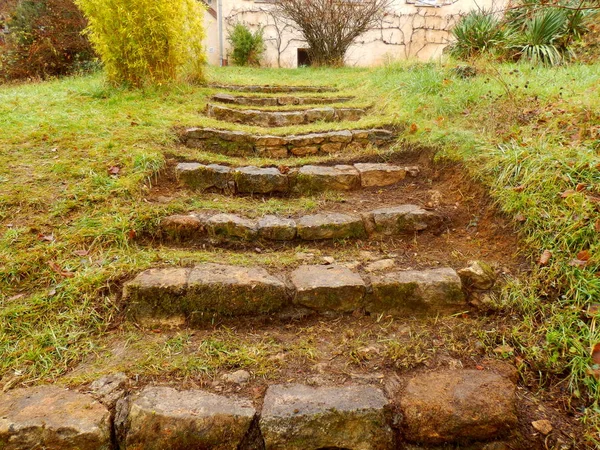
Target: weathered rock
(403, 219)
(297, 417)
(415, 292)
(164, 418)
(202, 177)
(379, 174)
(273, 152)
(270, 141)
(478, 275)
(544, 426)
(216, 289)
(52, 418)
(277, 228)
(254, 180)
(203, 292)
(237, 377)
(276, 101)
(310, 179)
(330, 226)
(320, 115)
(331, 147)
(109, 388)
(181, 227)
(457, 406)
(378, 266)
(231, 225)
(157, 294)
(303, 151)
(271, 89)
(328, 288)
(349, 114)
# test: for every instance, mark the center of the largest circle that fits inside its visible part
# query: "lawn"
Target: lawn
(78, 158)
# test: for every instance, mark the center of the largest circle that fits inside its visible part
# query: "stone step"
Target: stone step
(276, 101)
(273, 119)
(241, 143)
(387, 221)
(292, 181)
(271, 88)
(198, 295)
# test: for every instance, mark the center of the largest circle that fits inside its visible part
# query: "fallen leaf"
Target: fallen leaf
(543, 426)
(131, 234)
(56, 268)
(81, 253)
(580, 187)
(413, 128)
(480, 367)
(593, 310)
(46, 237)
(519, 188)
(283, 169)
(545, 257)
(520, 218)
(114, 170)
(577, 263)
(596, 354)
(584, 255)
(567, 193)
(597, 226)
(15, 297)
(504, 349)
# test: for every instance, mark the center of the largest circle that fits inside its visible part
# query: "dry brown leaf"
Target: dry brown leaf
(567, 193)
(545, 257)
(584, 255)
(596, 354)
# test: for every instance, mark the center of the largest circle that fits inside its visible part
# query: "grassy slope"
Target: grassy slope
(66, 223)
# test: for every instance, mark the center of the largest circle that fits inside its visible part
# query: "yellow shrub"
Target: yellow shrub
(145, 42)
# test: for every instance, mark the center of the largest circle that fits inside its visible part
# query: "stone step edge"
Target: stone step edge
(240, 143)
(299, 180)
(390, 221)
(277, 100)
(423, 412)
(273, 119)
(198, 294)
(271, 88)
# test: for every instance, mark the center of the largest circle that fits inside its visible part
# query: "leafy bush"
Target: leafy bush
(44, 39)
(247, 47)
(145, 42)
(476, 33)
(539, 40)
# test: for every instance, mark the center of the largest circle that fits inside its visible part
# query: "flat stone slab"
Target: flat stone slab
(272, 88)
(277, 100)
(180, 227)
(297, 417)
(203, 292)
(379, 175)
(263, 118)
(202, 177)
(328, 288)
(276, 228)
(240, 143)
(164, 418)
(330, 226)
(254, 180)
(52, 418)
(403, 219)
(310, 179)
(457, 406)
(415, 292)
(231, 225)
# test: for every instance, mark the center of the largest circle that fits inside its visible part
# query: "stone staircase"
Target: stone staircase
(474, 408)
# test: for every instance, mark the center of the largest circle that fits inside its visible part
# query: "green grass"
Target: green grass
(67, 225)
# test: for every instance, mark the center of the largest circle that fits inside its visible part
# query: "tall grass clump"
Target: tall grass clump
(145, 42)
(247, 47)
(477, 33)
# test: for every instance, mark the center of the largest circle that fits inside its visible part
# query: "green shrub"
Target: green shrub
(539, 40)
(476, 33)
(247, 47)
(145, 42)
(44, 39)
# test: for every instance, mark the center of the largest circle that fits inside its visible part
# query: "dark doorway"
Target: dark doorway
(303, 57)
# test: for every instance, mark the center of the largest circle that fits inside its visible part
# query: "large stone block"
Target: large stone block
(276, 228)
(309, 179)
(163, 418)
(457, 407)
(378, 175)
(202, 177)
(403, 219)
(297, 417)
(217, 289)
(181, 227)
(330, 226)
(254, 180)
(231, 225)
(328, 288)
(415, 292)
(52, 418)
